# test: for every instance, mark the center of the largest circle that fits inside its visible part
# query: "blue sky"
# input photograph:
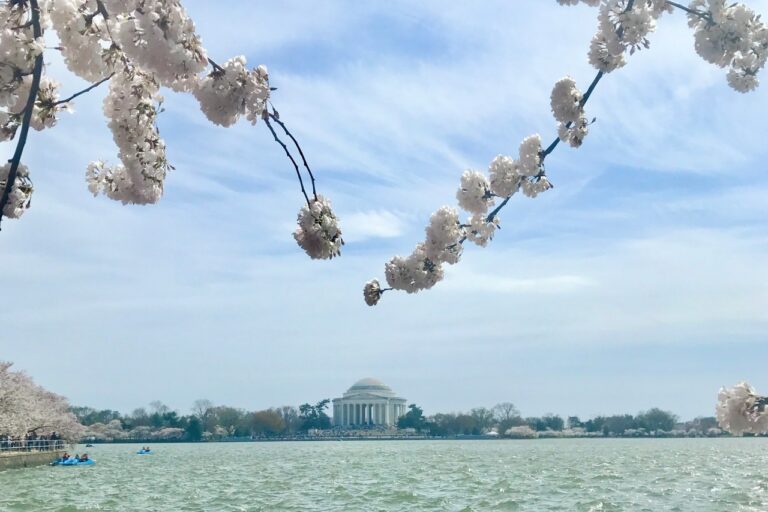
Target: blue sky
(639, 281)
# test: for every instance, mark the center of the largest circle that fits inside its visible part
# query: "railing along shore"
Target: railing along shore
(15, 446)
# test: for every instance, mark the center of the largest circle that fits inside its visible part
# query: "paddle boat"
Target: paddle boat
(73, 462)
(144, 452)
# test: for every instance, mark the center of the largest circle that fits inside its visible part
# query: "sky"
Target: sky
(639, 281)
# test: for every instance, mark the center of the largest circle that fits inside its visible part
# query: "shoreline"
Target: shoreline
(392, 438)
(28, 459)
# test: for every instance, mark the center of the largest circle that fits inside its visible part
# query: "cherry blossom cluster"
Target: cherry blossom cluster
(26, 407)
(231, 91)
(732, 36)
(139, 46)
(740, 410)
(160, 36)
(18, 50)
(726, 35)
(131, 107)
(729, 35)
(84, 39)
(318, 232)
(21, 193)
(566, 101)
(623, 25)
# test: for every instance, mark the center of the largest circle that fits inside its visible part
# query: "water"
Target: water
(720, 475)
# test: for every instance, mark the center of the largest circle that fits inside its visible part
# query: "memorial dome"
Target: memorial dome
(370, 386)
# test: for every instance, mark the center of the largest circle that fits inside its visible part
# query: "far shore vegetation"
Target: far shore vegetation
(209, 422)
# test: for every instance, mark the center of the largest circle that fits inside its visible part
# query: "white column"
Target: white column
(386, 413)
(343, 414)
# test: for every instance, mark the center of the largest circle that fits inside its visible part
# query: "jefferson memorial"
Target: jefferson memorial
(368, 402)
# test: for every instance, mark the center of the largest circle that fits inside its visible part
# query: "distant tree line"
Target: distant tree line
(504, 417)
(214, 422)
(206, 422)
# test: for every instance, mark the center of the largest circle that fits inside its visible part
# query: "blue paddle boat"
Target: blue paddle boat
(73, 462)
(144, 452)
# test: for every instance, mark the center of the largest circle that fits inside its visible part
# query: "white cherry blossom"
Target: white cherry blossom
(318, 231)
(740, 410)
(474, 194)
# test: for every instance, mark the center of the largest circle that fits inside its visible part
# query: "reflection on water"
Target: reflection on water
(720, 475)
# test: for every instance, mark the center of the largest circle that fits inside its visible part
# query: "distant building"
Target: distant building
(368, 402)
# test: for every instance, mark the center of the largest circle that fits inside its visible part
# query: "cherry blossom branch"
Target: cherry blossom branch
(266, 117)
(555, 143)
(37, 73)
(87, 89)
(276, 117)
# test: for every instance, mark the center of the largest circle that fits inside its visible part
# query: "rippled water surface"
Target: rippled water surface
(557, 474)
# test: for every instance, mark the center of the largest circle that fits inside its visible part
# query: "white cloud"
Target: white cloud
(462, 280)
(359, 226)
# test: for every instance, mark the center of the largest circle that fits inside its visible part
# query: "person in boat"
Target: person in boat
(77, 457)
(84, 458)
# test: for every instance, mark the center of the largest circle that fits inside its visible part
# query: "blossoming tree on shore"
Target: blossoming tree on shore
(26, 407)
(138, 46)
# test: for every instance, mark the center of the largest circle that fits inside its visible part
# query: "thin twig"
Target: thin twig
(703, 15)
(37, 73)
(290, 157)
(87, 89)
(296, 143)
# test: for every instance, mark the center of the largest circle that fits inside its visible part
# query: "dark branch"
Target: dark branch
(276, 118)
(216, 67)
(87, 89)
(496, 210)
(703, 15)
(37, 73)
(290, 157)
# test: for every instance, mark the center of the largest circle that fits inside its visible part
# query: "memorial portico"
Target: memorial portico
(368, 402)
